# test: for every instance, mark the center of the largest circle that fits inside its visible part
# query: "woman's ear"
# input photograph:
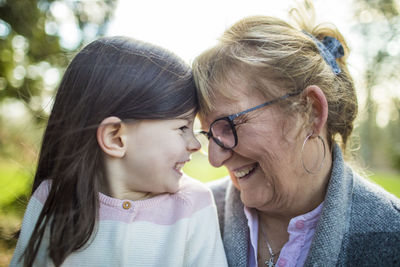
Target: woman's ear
(319, 114)
(111, 136)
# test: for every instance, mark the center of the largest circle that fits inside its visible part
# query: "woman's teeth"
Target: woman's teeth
(244, 172)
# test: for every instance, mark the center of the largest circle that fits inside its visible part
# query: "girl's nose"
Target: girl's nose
(193, 144)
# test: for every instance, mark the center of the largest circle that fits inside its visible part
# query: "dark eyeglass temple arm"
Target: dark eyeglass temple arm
(232, 117)
(207, 134)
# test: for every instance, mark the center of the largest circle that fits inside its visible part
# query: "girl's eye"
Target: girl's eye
(183, 128)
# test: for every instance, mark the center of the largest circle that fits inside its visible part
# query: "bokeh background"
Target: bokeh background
(39, 37)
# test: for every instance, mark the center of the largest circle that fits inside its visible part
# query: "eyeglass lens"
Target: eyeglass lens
(223, 133)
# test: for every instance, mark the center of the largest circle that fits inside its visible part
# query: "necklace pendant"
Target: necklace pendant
(270, 262)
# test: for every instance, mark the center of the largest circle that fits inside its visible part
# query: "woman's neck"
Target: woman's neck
(275, 224)
(313, 193)
(271, 230)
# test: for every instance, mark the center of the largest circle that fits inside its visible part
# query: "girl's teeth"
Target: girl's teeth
(179, 166)
(243, 172)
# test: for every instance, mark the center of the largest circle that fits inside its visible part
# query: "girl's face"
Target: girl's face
(157, 151)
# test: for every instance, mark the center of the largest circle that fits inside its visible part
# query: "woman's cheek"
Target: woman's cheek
(234, 180)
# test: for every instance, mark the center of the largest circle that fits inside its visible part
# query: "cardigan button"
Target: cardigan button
(126, 205)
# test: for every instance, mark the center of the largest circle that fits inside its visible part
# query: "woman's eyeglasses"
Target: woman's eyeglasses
(223, 130)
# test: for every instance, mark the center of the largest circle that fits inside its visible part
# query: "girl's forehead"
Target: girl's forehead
(189, 115)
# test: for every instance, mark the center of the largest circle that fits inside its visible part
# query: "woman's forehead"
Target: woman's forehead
(224, 106)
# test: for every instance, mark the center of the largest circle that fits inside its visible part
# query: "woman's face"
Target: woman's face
(265, 165)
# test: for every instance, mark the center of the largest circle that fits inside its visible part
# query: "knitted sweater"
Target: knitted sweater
(359, 223)
(178, 229)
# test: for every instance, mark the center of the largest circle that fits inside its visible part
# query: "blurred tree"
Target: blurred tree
(393, 129)
(36, 39)
(379, 25)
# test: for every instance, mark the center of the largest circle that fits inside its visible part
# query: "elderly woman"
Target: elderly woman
(277, 104)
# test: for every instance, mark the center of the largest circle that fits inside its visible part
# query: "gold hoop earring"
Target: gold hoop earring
(323, 158)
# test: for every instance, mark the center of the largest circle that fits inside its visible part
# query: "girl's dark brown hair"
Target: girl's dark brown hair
(112, 76)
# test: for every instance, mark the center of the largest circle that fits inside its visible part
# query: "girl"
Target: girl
(109, 190)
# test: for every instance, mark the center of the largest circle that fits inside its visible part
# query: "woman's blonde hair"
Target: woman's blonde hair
(274, 58)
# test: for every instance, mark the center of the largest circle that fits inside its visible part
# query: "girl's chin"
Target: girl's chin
(173, 188)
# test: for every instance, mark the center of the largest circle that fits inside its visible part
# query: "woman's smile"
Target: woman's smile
(245, 172)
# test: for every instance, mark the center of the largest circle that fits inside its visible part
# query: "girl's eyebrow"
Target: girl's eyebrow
(189, 120)
(188, 116)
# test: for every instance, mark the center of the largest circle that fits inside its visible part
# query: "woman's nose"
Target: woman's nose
(217, 155)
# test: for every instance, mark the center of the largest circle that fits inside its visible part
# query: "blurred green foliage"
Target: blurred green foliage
(200, 169)
(390, 182)
(393, 130)
(15, 185)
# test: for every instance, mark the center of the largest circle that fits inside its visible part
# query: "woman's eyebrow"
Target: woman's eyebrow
(224, 114)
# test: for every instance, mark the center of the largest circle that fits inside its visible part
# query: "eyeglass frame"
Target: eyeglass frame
(230, 119)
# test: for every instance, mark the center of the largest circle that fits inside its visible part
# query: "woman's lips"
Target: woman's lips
(245, 172)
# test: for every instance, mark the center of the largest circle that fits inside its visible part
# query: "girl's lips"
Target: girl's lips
(178, 171)
(179, 165)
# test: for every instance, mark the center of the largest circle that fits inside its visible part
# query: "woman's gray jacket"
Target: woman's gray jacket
(359, 223)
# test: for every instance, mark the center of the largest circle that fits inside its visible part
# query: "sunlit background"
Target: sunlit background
(39, 37)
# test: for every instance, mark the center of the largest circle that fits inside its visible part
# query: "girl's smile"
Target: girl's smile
(179, 165)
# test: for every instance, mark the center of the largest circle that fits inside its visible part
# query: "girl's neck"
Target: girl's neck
(120, 191)
(132, 195)
(116, 184)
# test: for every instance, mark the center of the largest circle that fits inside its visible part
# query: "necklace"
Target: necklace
(271, 260)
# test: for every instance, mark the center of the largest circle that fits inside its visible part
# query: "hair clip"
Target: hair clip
(330, 48)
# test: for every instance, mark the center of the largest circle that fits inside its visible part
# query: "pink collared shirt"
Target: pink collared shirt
(301, 231)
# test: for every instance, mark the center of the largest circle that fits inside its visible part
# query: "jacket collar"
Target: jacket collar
(236, 233)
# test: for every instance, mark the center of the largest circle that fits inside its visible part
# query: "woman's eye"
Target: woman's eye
(239, 121)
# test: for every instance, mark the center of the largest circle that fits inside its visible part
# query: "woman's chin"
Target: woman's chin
(249, 200)
(254, 199)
